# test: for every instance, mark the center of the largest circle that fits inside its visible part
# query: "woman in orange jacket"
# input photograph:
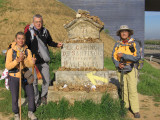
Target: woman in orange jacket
(19, 53)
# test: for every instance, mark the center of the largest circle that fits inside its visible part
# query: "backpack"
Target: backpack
(139, 64)
(26, 29)
(9, 47)
(30, 28)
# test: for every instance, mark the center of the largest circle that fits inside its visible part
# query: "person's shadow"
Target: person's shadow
(115, 81)
(52, 80)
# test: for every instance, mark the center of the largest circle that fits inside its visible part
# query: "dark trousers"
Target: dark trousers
(14, 88)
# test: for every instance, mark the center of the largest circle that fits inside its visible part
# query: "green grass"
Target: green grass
(4, 20)
(108, 109)
(23, 23)
(54, 63)
(2, 84)
(152, 42)
(6, 102)
(106, 31)
(2, 62)
(156, 104)
(108, 63)
(1, 3)
(149, 81)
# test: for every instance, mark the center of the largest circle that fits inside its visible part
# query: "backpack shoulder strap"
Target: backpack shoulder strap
(32, 34)
(31, 31)
(139, 42)
(26, 52)
(118, 44)
(45, 32)
(14, 55)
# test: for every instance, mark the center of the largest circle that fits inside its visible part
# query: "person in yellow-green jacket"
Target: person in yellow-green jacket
(16, 54)
(126, 53)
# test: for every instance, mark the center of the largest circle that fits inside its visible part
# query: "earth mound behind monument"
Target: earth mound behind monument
(15, 15)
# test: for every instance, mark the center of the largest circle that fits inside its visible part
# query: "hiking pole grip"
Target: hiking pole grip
(20, 88)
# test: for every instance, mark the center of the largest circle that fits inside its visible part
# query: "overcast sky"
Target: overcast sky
(152, 25)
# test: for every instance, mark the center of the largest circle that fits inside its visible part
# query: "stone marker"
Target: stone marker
(87, 55)
(82, 55)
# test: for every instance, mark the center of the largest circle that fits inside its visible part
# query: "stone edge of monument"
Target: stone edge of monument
(82, 77)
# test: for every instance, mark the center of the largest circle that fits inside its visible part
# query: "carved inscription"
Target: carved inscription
(83, 30)
(82, 55)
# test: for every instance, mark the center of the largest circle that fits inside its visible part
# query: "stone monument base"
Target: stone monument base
(83, 78)
(70, 85)
(73, 96)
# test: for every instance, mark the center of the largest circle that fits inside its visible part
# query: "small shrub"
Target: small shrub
(23, 23)
(106, 31)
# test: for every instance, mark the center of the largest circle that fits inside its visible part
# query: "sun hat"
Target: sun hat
(124, 27)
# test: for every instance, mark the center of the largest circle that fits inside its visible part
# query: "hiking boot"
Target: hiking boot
(136, 115)
(44, 100)
(16, 116)
(31, 115)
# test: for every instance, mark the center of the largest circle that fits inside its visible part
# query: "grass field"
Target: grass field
(149, 81)
(108, 109)
(152, 42)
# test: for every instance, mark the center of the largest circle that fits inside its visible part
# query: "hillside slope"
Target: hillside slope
(18, 13)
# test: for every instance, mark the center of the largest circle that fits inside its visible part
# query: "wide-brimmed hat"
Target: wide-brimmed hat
(124, 27)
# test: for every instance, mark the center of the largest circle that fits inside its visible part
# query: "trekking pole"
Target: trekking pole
(122, 84)
(20, 88)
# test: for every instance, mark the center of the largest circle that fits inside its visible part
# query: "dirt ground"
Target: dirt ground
(154, 64)
(4, 117)
(149, 110)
